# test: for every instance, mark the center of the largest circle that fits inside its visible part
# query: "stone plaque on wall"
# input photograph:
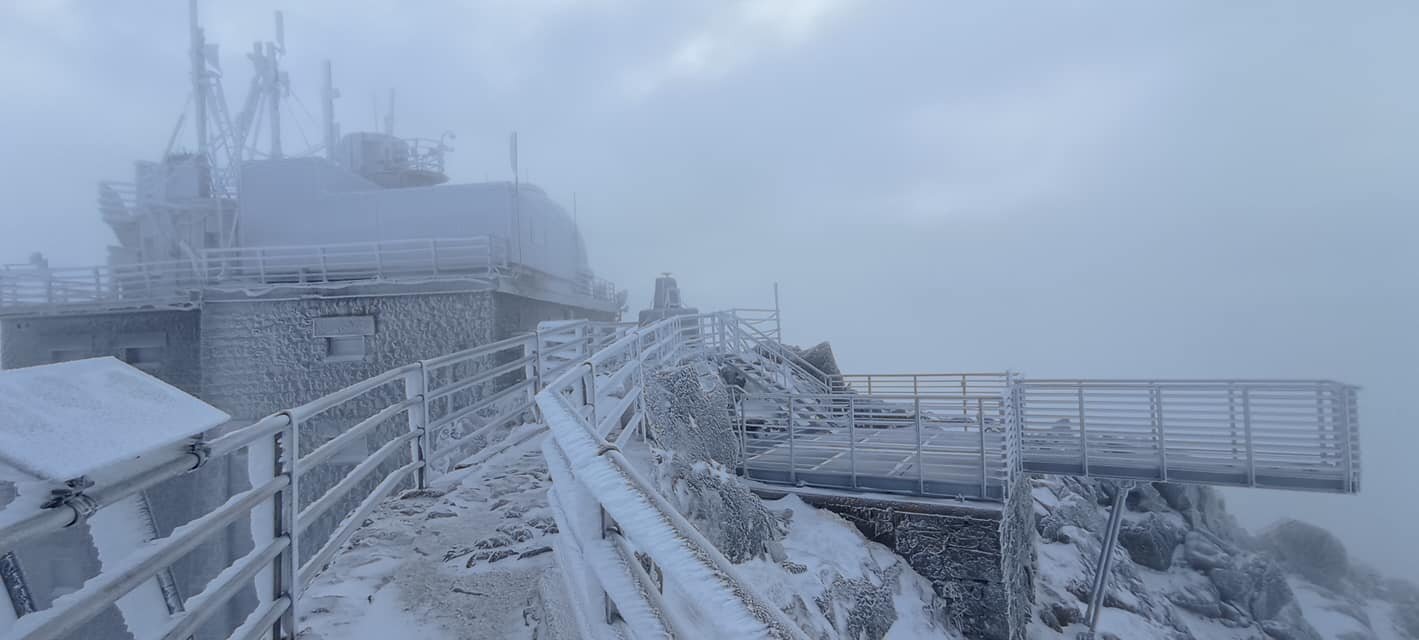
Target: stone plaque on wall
(338, 326)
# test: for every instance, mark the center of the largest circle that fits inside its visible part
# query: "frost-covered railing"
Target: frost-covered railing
(629, 558)
(1285, 434)
(475, 257)
(177, 283)
(916, 443)
(316, 472)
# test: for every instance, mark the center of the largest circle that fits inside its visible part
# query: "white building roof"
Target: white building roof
(60, 421)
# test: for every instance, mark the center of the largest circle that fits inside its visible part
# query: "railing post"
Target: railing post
(434, 253)
(287, 573)
(792, 455)
(415, 385)
(1246, 428)
(920, 470)
(778, 317)
(980, 426)
(261, 264)
(1157, 402)
(1083, 434)
(852, 438)
(324, 267)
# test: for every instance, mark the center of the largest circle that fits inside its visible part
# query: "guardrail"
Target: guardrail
(178, 283)
(1258, 433)
(416, 416)
(617, 531)
(920, 444)
(480, 256)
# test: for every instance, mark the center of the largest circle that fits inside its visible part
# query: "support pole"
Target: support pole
(1106, 556)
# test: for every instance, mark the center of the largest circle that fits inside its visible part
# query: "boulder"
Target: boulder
(1145, 498)
(1203, 553)
(1178, 496)
(1074, 510)
(1270, 593)
(1150, 542)
(1233, 585)
(1309, 550)
(821, 356)
(1199, 597)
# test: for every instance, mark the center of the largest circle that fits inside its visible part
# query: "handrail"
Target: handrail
(495, 378)
(645, 520)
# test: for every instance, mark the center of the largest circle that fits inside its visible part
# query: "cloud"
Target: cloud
(1041, 139)
(734, 35)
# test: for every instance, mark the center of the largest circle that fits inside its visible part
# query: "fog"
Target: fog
(1097, 189)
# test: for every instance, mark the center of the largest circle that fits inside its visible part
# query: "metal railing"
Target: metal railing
(628, 555)
(179, 283)
(919, 444)
(1256, 433)
(478, 257)
(305, 497)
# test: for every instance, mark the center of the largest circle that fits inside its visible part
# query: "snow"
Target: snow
(117, 531)
(422, 567)
(829, 547)
(61, 421)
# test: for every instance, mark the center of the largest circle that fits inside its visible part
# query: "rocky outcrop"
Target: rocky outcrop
(696, 451)
(1184, 568)
(1310, 551)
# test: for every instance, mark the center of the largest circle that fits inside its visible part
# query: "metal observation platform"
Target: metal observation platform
(972, 435)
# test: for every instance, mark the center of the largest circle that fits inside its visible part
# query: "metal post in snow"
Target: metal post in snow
(415, 386)
(792, 455)
(1246, 428)
(287, 569)
(1083, 435)
(980, 427)
(1101, 573)
(1157, 402)
(852, 438)
(920, 470)
(778, 316)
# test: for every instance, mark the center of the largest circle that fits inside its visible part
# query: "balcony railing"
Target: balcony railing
(30, 288)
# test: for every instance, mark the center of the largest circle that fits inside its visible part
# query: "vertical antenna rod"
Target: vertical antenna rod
(327, 112)
(389, 116)
(199, 79)
(273, 84)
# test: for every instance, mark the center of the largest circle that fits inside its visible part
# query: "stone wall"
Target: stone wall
(167, 340)
(979, 556)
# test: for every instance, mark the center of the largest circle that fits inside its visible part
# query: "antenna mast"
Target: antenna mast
(199, 79)
(327, 112)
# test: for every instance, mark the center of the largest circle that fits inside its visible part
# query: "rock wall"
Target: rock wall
(169, 341)
(976, 555)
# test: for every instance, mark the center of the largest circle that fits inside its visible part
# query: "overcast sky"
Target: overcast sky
(1066, 189)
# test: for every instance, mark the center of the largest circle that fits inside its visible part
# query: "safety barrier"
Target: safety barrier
(417, 416)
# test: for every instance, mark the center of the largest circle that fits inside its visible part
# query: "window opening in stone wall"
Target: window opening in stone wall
(344, 348)
(144, 357)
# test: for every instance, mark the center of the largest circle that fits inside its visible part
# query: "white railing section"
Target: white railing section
(629, 558)
(1257, 433)
(921, 444)
(177, 283)
(420, 415)
(624, 550)
(477, 257)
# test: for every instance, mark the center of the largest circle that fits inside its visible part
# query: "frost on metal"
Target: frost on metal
(696, 452)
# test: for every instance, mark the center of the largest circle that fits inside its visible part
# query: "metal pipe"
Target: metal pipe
(1101, 574)
(100, 592)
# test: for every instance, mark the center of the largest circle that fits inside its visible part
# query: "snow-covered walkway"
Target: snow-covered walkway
(467, 561)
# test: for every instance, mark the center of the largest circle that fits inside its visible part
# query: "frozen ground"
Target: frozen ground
(472, 563)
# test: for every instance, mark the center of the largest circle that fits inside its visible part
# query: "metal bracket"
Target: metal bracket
(198, 447)
(72, 495)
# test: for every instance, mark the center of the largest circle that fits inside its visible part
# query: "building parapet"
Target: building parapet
(37, 289)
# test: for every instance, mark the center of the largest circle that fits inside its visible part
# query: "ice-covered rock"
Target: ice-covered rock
(1186, 570)
(1151, 541)
(696, 450)
(1310, 551)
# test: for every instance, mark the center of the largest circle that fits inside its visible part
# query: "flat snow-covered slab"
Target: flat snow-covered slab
(60, 421)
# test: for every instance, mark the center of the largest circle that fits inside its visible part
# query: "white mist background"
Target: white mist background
(1098, 189)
